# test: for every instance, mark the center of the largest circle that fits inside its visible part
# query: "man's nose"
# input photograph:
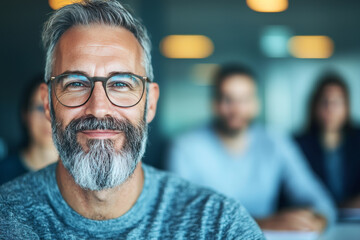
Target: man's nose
(99, 105)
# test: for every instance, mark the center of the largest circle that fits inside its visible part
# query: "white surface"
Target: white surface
(341, 231)
(293, 235)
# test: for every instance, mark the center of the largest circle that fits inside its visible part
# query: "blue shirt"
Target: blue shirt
(32, 207)
(253, 177)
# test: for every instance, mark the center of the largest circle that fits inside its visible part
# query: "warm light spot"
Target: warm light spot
(186, 46)
(268, 5)
(311, 46)
(56, 4)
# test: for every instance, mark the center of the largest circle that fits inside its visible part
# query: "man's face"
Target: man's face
(238, 103)
(101, 129)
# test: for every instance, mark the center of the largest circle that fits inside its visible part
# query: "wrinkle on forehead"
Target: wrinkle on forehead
(101, 49)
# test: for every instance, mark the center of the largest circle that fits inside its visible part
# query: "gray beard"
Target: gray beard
(102, 166)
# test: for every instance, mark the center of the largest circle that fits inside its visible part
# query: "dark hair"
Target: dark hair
(25, 105)
(229, 70)
(327, 79)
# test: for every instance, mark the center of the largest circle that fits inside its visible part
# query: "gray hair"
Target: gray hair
(107, 12)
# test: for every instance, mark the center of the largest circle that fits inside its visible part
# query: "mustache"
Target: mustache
(93, 123)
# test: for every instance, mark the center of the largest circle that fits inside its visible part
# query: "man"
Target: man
(99, 103)
(242, 160)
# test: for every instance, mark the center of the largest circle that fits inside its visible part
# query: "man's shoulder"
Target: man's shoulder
(196, 135)
(201, 207)
(172, 182)
(184, 192)
(21, 200)
(275, 138)
(25, 188)
(267, 133)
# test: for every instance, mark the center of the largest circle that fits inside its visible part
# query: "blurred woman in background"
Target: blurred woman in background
(37, 150)
(331, 143)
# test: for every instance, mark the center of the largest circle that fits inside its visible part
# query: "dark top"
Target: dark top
(334, 172)
(348, 169)
(11, 167)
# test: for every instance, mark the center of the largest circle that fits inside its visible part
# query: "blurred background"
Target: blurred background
(287, 43)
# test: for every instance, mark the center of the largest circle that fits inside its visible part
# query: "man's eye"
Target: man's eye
(74, 85)
(120, 85)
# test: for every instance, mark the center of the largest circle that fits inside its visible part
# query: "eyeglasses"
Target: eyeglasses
(122, 89)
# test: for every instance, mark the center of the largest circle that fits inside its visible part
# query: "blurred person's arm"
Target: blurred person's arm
(293, 220)
(303, 189)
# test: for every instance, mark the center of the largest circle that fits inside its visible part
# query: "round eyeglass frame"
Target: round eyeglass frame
(104, 80)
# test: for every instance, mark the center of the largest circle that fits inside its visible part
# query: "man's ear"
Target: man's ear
(44, 92)
(153, 97)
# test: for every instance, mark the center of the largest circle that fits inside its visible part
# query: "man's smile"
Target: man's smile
(100, 134)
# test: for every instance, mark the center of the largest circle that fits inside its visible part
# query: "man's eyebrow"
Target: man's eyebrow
(84, 73)
(118, 72)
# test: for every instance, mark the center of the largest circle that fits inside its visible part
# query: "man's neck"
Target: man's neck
(235, 143)
(331, 139)
(100, 205)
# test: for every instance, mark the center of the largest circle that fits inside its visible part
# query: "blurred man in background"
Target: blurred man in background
(331, 142)
(241, 159)
(37, 149)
